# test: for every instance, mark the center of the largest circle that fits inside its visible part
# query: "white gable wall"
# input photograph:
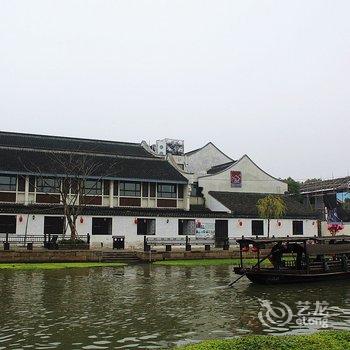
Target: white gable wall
(254, 180)
(205, 158)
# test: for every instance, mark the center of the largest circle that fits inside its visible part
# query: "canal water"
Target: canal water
(151, 307)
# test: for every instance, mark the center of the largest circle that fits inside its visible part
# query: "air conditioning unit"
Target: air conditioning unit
(161, 147)
(170, 146)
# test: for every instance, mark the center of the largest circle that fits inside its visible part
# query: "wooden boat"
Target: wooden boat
(297, 260)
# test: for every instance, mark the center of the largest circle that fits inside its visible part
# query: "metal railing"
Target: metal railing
(30, 240)
(187, 241)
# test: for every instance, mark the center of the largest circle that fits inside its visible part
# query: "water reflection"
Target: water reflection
(142, 306)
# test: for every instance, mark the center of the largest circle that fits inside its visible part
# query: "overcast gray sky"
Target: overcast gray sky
(266, 78)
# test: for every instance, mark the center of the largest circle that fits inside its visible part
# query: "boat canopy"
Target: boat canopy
(325, 249)
(311, 245)
(257, 241)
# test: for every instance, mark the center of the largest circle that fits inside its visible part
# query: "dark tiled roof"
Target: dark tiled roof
(198, 207)
(217, 168)
(245, 205)
(58, 143)
(339, 184)
(49, 163)
(106, 211)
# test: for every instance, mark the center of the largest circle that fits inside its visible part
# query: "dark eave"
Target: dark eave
(245, 205)
(38, 209)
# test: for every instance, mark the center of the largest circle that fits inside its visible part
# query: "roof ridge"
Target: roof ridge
(250, 193)
(208, 143)
(68, 138)
(324, 180)
(42, 150)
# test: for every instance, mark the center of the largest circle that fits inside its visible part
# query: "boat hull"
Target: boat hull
(271, 277)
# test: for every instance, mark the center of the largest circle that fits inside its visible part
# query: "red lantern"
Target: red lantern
(279, 223)
(81, 219)
(240, 223)
(20, 218)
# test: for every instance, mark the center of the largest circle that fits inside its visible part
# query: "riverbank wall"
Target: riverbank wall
(50, 256)
(24, 256)
(183, 255)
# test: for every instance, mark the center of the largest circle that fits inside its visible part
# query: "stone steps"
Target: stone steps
(119, 256)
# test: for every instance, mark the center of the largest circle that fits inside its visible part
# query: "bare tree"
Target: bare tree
(76, 183)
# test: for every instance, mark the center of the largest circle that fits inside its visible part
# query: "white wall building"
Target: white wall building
(200, 193)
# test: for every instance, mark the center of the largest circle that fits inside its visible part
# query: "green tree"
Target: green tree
(346, 204)
(293, 186)
(271, 207)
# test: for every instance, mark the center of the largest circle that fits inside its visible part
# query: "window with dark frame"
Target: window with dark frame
(101, 226)
(8, 183)
(186, 227)
(8, 223)
(106, 187)
(76, 185)
(196, 191)
(21, 183)
(31, 183)
(66, 185)
(145, 189)
(54, 225)
(115, 188)
(48, 185)
(257, 227)
(130, 189)
(166, 191)
(298, 227)
(93, 187)
(146, 227)
(180, 191)
(152, 190)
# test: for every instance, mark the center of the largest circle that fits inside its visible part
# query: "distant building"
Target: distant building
(331, 198)
(146, 191)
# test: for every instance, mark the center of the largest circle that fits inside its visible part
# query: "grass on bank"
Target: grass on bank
(324, 340)
(56, 266)
(210, 262)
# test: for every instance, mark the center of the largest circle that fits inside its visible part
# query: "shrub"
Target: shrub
(324, 340)
(71, 241)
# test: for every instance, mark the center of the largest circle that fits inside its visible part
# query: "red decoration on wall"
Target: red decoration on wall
(81, 219)
(279, 223)
(240, 223)
(236, 178)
